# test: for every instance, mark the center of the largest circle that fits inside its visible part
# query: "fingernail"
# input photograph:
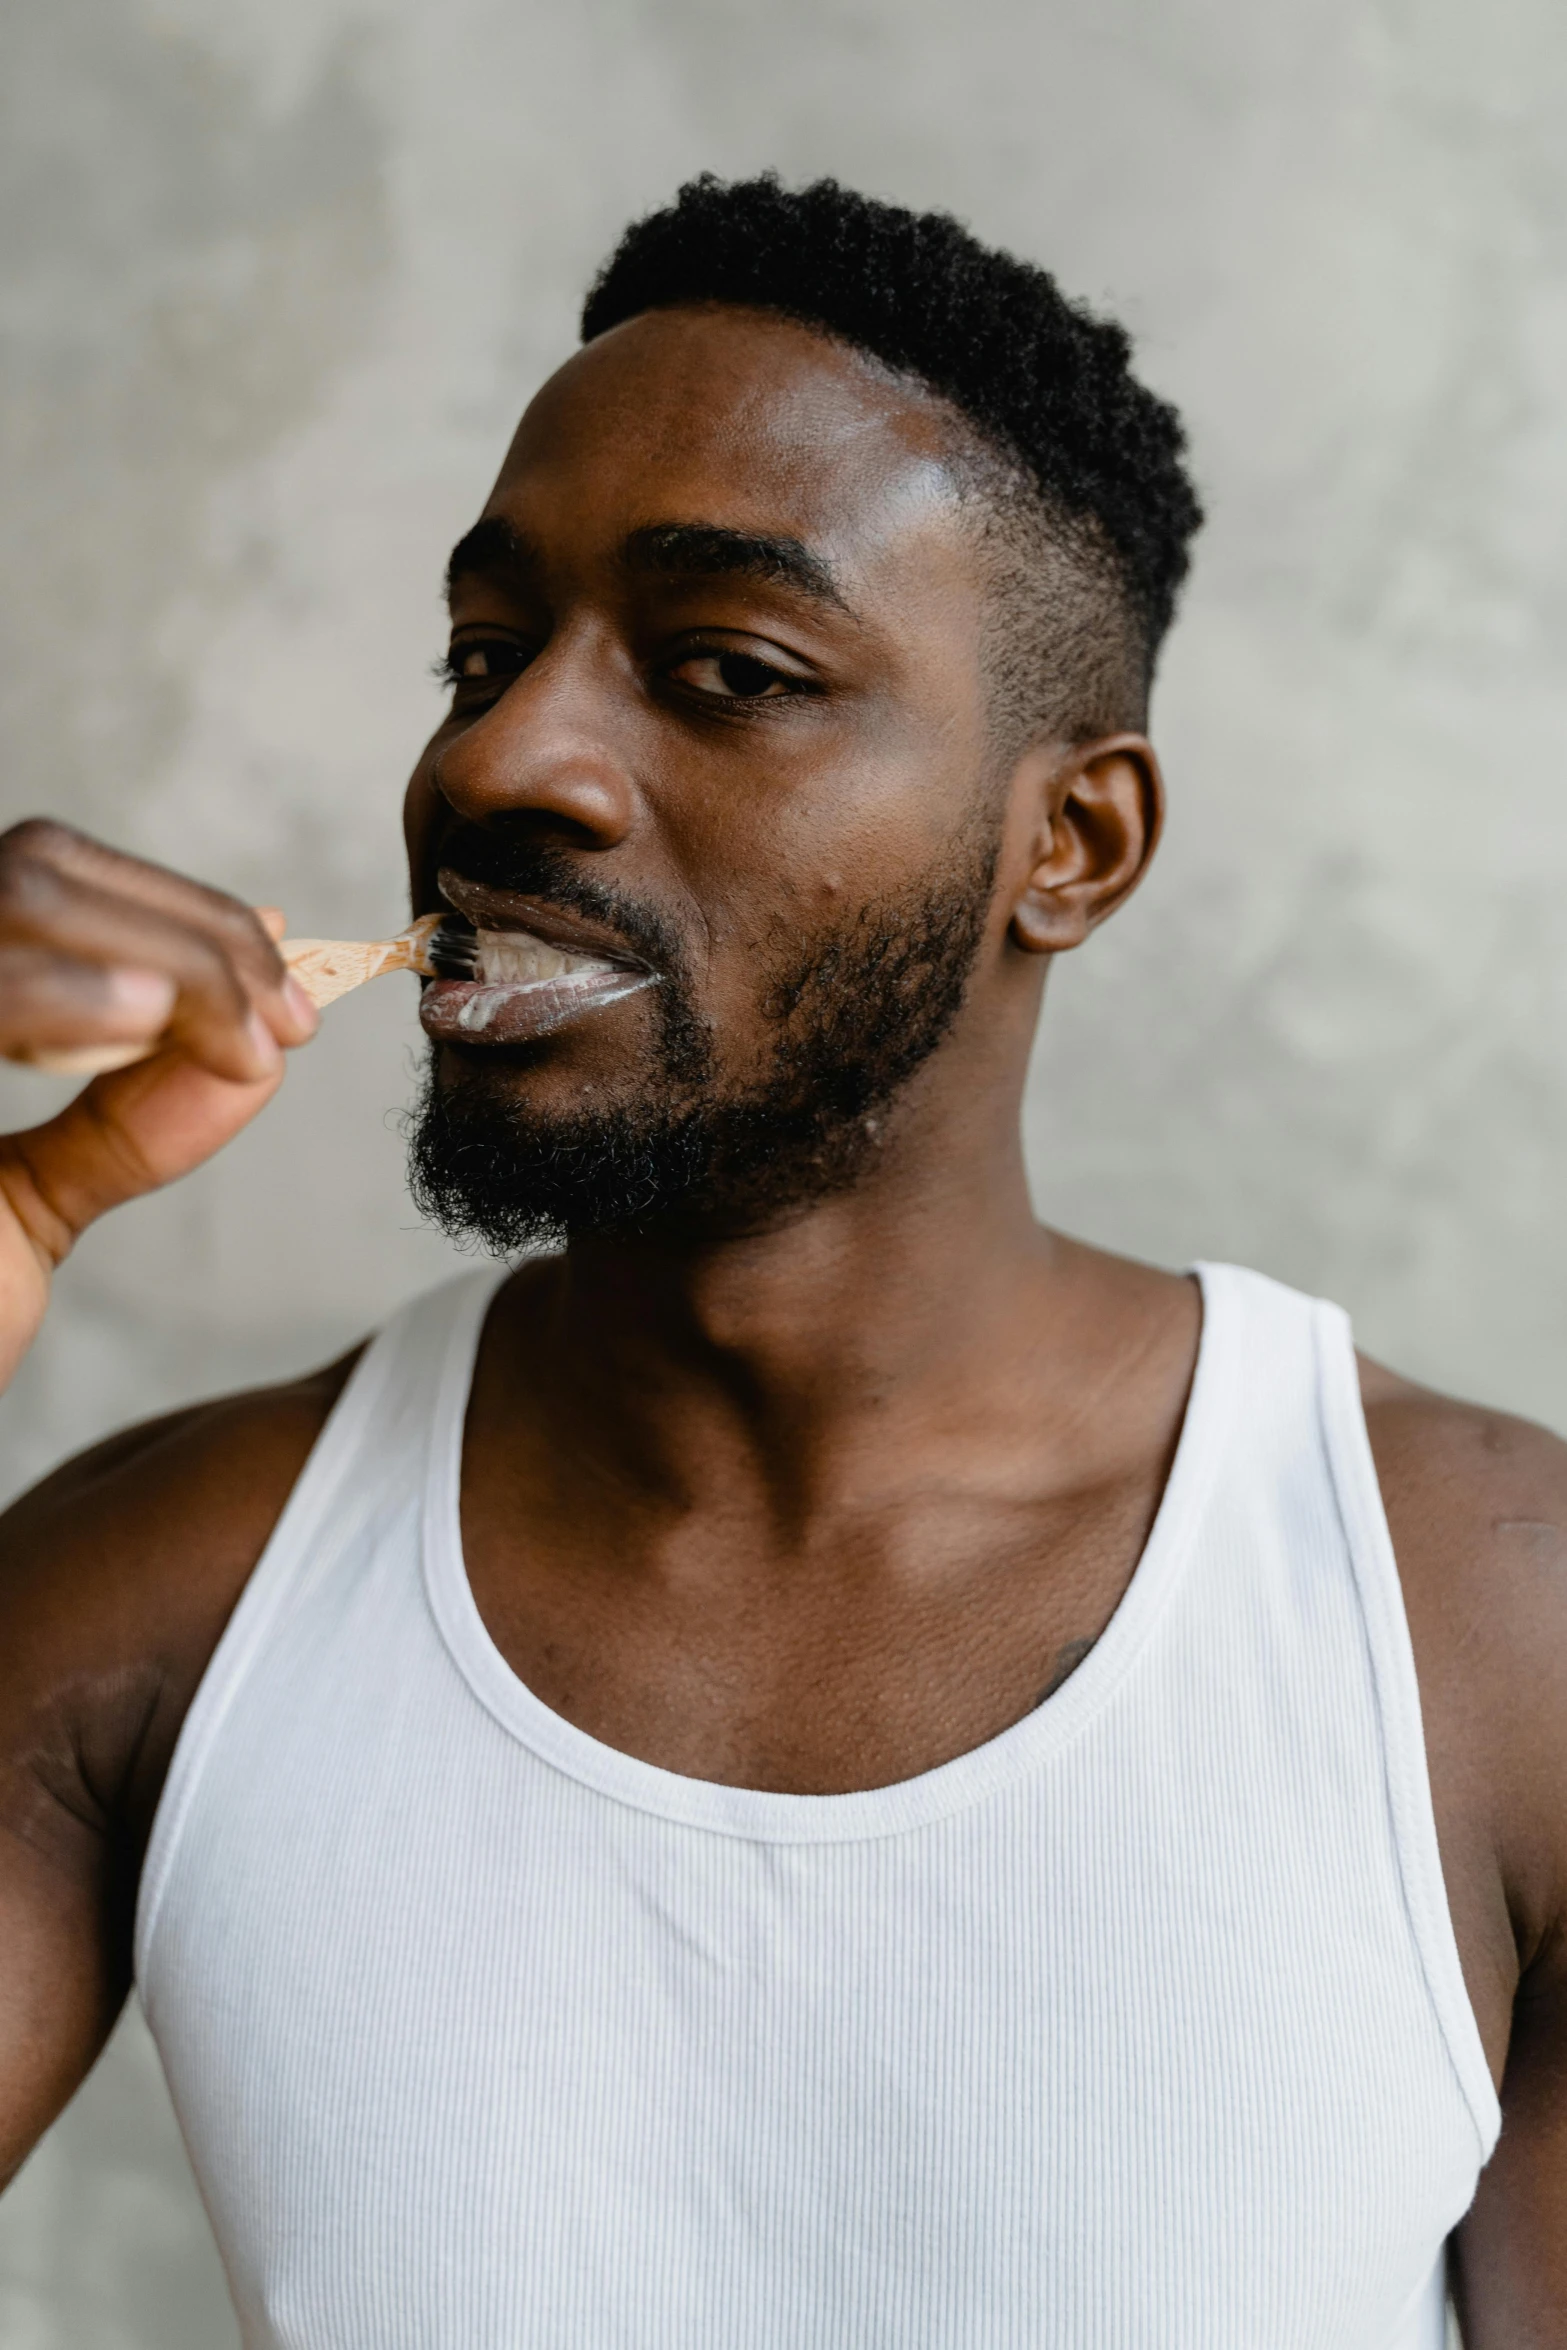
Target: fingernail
(267, 1049)
(146, 997)
(300, 1004)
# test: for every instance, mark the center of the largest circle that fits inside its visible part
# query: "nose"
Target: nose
(550, 748)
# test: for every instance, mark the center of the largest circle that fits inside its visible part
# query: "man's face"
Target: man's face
(718, 710)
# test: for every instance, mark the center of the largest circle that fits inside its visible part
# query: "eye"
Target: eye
(483, 666)
(736, 677)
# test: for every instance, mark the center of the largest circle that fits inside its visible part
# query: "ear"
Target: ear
(1100, 811)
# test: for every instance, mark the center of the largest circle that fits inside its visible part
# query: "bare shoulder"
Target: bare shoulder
(1476, 1501)
(117, 1576)
(1476, 1504)
(1434, 1445)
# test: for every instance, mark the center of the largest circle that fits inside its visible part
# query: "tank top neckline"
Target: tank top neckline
(762, 1815)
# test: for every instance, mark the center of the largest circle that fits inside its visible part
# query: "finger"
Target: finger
(229, 1011)
(127, 1134)
(40, 841)
(51, 1003)
(214, 1014)
(61, 889)
(274, 922)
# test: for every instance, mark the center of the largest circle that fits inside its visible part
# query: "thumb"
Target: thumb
(129, 1133)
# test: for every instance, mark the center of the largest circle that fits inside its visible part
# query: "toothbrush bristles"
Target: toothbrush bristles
(453, 949)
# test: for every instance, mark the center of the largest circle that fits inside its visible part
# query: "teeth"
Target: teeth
(514, 958)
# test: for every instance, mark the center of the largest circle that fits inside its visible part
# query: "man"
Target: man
(821, 1765)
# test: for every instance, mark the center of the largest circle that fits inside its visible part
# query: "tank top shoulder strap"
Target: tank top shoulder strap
(1269, 1336)
(371, 1455)
(1303, 1431)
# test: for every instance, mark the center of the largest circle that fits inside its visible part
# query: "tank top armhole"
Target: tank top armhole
(285, 1554)
(1397, 1690)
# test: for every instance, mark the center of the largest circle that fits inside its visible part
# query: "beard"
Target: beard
(847, 1023)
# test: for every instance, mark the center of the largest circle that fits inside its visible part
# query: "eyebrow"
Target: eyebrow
(493, 549)
(496, 549)
(709, 550)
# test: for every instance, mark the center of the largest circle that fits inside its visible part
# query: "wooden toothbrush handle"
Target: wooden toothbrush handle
(88, 1060)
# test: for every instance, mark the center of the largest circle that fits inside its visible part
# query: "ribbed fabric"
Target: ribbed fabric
(1141, 2027)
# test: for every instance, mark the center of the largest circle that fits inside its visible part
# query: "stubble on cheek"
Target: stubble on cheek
(718, 1127)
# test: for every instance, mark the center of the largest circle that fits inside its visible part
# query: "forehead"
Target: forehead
(741, 419)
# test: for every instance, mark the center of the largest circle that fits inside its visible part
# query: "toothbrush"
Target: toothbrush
(438, 946)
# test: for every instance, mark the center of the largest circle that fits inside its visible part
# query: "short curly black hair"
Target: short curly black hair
(1078, 466)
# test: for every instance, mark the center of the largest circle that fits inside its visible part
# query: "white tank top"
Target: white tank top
(1140, 2027)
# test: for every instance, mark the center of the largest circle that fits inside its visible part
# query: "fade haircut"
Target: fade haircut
(1072, 469)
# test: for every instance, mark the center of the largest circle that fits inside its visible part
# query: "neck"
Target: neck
(904, 1302)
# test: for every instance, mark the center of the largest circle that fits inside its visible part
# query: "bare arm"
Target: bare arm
(117, 1574)
(1477, 1504)
(1511, 2263)
(117, 1577)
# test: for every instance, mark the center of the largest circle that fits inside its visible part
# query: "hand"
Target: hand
(98, 949)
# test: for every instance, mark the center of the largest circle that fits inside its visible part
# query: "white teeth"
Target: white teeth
(515, 958)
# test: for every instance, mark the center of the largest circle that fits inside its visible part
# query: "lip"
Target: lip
(506, 909)
(478, 1012)
(489, 1011)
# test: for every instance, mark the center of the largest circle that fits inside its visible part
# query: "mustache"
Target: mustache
(554, 877)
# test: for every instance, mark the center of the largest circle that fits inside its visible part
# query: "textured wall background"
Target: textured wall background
(277, 279)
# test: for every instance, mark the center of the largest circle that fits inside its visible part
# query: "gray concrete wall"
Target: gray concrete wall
(277, 279)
